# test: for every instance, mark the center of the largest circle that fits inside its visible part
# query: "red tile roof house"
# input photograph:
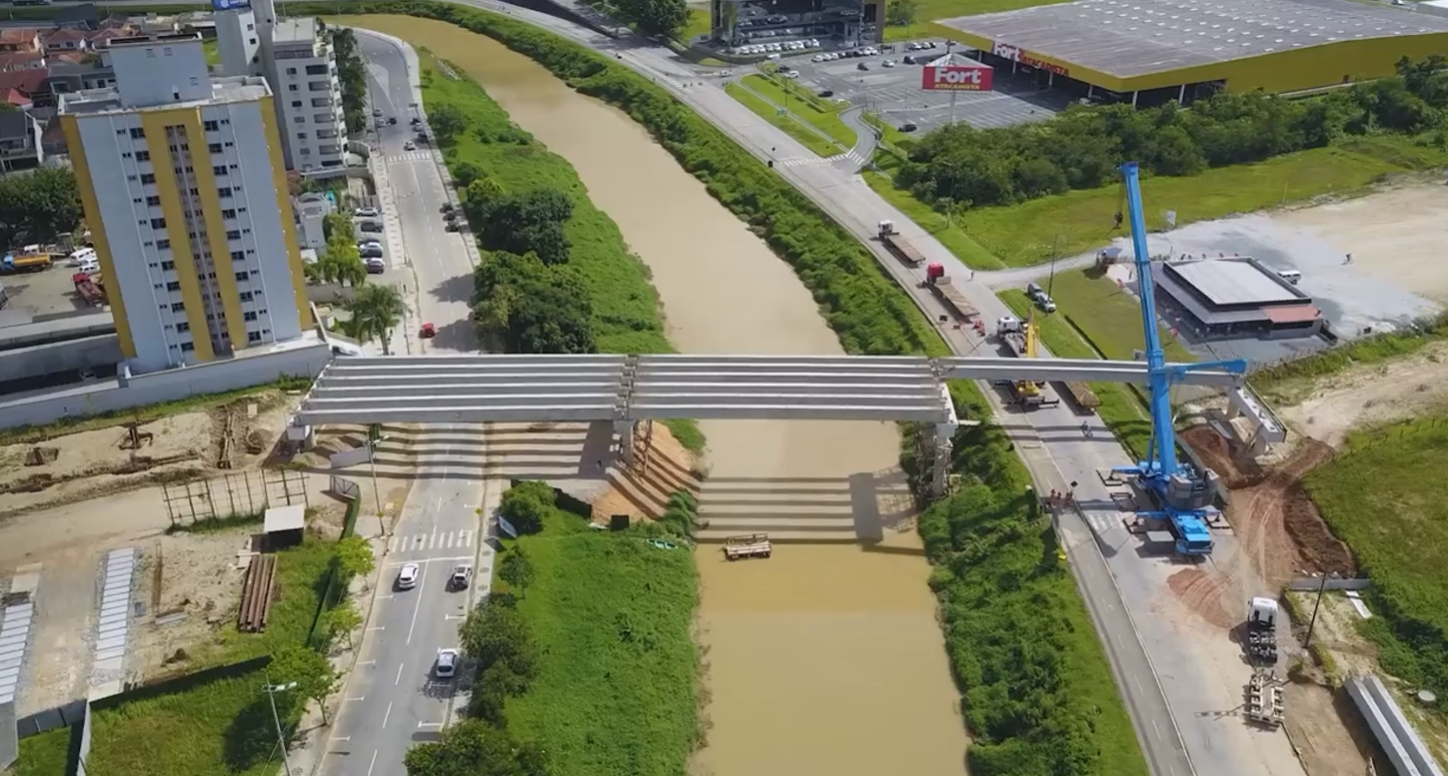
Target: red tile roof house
(68, 39)
(20, 39)
(20, 87)
(22, 60)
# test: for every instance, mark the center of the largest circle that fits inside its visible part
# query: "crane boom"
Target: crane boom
(1181, 493)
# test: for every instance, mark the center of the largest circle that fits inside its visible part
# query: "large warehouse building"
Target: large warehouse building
(1177, 50)
(1233, 298)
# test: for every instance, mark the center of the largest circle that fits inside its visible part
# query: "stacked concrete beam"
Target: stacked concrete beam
(113, 628)
(1410, 757)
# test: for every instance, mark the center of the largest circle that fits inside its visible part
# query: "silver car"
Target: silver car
(447, 664)
(407, 576)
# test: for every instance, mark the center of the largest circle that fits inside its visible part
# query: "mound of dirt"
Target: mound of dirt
(1201, 591)
(1216, 453)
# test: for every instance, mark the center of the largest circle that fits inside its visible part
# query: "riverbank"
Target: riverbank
(870, 314)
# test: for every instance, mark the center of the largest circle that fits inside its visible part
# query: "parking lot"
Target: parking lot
(894, 93)
(38, 295)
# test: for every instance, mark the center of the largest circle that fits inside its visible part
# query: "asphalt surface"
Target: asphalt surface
(393, 700)
(894, 93)
(1180, 721)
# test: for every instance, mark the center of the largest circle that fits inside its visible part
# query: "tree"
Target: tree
(497, 639)
(447, 121)
(376, 311)
(38, 206)
(475, 748)
(353, 75)
(900, 13)
(342, 263)
(342, 620)
(480, 196)
(316, 679)
(354, 556)
(525, 504)
(517, 570)
(531, 222)
(532, 307)
(464, 173)
(656, 17)
(337, 224)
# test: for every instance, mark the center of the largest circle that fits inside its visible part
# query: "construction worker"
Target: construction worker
(1085, 428)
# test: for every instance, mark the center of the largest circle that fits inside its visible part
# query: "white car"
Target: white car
(446, 666)
(407, 577)
(366, 212)
(889, 63)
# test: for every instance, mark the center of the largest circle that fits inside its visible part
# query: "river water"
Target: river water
(826, 658)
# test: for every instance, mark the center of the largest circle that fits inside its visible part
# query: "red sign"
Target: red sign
(1017, 54)
(956, 78)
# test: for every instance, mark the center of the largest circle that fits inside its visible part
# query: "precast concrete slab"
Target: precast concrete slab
(1068, 369)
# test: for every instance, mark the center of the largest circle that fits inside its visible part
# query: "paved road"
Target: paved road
(392, 699)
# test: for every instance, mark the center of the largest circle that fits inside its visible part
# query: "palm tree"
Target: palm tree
(376, 310)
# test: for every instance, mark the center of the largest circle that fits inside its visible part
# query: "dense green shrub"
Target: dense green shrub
(525, 504)
(1083, 147)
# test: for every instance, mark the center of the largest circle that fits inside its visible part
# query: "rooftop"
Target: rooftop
(303, 30)
(292, 517)
(1235, 282)
(242, 88)
(1127, 38)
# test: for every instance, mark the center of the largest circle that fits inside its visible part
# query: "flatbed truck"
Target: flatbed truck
(86, 287)
(903, 250)
(950, 296)
(1082, 394)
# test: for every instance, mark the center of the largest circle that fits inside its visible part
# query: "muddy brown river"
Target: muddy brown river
(827, 657)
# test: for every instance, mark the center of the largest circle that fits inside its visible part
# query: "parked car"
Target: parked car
(376, 266)
(908, 126)
(407, 576)
(377, 113)
(370, 226)
(451, 226)
(447, 664)
(409, 146)
(447, 207)
(1034, 292)
(391, 120)
(366, 212)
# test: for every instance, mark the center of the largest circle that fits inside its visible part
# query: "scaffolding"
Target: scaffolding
(239, 494)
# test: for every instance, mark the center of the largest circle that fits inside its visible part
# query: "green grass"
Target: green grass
(44, 754)
(223, 726)
(615, 690)
(698, 25)
(1108, 315)
(1078, 221)
(213, 54)
(806, 106)
(788, 123)
(947, 231)
(1121, 408)
(219, 727)
(1388, 499)
(626, 308)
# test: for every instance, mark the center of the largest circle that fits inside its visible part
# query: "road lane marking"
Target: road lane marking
(456, 617)
(357, 700)
(366, 662)
(342, 738)
(387, 715)
(373, 763)
(421, 583)
(429, 724)
(425, 561)
(384, 597)
(377, 628)
(398, 680)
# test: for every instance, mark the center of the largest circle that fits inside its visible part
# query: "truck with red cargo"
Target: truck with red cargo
(898, 245)
(87, 289)
(945, 290)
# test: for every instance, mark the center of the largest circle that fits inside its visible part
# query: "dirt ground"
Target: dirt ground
(77, 467)
(1372, 395)
(643, 492)
(1396, 235)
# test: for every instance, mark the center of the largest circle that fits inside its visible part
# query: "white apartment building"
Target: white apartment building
(309, 94)
(184, 190)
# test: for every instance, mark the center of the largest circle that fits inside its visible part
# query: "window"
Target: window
(177, 307)
(183, 327)
(163, 244)
(224, 192)
(167, 266)
(147, 177)
(209, 126)
(253, 336)
(165, 51)
(233, 234)
(153, 200)
(245, 296)
(291, 71)
(228, 213)
(143, 156)
(187, 347)
(301, 135)
(238, 256)
(214, 148)
(158, 223)
(299, 120)
(296, 103)
(174, 285)
(219, 169)
(137, 133)
(292, 87)
(241, 275)
(248, 316)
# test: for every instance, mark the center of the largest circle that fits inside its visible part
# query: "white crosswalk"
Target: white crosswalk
(436, 540)
(851, 156)
(410, 156)
(803, 161)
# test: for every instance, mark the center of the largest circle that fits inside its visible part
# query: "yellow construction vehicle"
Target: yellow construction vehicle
(1024, 342)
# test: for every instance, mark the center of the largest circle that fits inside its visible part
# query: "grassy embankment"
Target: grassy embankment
(615, 689)
(1013, 604)
(1387, 498)
(787, 122)
(1291, 382)
(819, 112)
(1079, 221)
(219, 727)
(1112, 330)
(626, 313)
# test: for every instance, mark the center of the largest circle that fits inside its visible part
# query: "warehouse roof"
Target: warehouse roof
(1233, 282)
(1128, 38)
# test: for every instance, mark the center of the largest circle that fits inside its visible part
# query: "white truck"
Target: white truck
(1260, 640)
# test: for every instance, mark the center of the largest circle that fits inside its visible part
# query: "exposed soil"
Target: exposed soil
(1315, 724)
(642, 492)
(1203, 593)
(1371, 395)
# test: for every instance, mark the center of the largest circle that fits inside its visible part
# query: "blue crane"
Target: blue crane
(1182, 495)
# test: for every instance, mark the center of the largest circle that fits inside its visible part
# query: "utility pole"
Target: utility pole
(271, 691)
(1321, 588)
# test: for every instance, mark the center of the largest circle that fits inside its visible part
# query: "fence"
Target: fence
(232, 495)
(171, 385)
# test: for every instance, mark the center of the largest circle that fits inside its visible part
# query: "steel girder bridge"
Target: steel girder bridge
(624, 390)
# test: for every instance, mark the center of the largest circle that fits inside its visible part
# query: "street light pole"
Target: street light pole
(271, 691)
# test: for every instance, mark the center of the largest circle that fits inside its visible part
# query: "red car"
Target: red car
(428, 331)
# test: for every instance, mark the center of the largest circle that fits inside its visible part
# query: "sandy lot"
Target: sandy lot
(1372, 395)
(1396, 236)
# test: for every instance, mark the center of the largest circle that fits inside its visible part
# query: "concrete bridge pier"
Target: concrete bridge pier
(940, 462)
(624, 430)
